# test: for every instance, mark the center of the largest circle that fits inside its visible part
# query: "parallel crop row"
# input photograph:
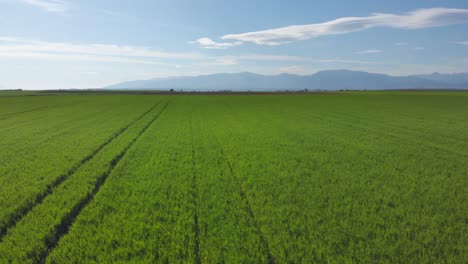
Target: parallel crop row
(328, 178)
(324, 189)
(227, 229)
(39, 149)
(144, 212)
(40, 230)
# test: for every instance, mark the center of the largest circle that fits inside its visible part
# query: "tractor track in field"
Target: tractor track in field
(196, 227)
(39, 198)
(8, 115)
(247, 206)
(243, 195)
(63, 228)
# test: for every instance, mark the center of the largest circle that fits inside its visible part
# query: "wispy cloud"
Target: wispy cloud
(73, 57)
(226, 61)
(371, 51)
(422, 18)
(342, 61)
(56, 6)
(419, 48)
(268, 57)
(208, 43)
(462, 42)
(23, 48)
(297, 69)
(89, 73)
(402, 44)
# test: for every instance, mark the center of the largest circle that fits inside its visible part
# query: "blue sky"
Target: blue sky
(53, 44)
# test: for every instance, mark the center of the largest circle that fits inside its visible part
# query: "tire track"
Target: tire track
(39, 198)
(247, 205)
(8, 115)
(196, 227)
(63, 228)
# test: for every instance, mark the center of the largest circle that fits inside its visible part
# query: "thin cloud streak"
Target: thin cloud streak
(297, 69)
(208, 43)
(54, 6)
(31, 46)
(12, 47)
(265, 57)
(422, 18)
(69, 57)
(371, 51)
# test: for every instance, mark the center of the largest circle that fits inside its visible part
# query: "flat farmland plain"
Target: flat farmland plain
(346, 177)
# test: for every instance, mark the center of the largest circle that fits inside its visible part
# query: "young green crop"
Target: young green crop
(40, 229)
(334, 177)
(144, 212)
(41, 148)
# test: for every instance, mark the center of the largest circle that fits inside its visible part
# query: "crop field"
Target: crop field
(345, 177)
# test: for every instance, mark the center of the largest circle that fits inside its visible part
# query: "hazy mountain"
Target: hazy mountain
(453, 78)
(324, 80)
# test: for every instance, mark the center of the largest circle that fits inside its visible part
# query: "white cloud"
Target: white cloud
(56, 6)
(402, 44)
(23, 48)
(371, 51)
(462, 42)
(422, 18)
(208, 43)
(419, 48)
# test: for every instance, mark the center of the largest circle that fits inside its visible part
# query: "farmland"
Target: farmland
(345, 177)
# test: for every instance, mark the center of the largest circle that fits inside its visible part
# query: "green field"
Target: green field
(347, 177)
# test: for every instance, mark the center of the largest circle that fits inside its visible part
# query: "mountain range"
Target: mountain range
(323, 80)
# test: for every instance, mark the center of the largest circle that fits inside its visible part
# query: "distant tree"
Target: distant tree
(172, 90)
